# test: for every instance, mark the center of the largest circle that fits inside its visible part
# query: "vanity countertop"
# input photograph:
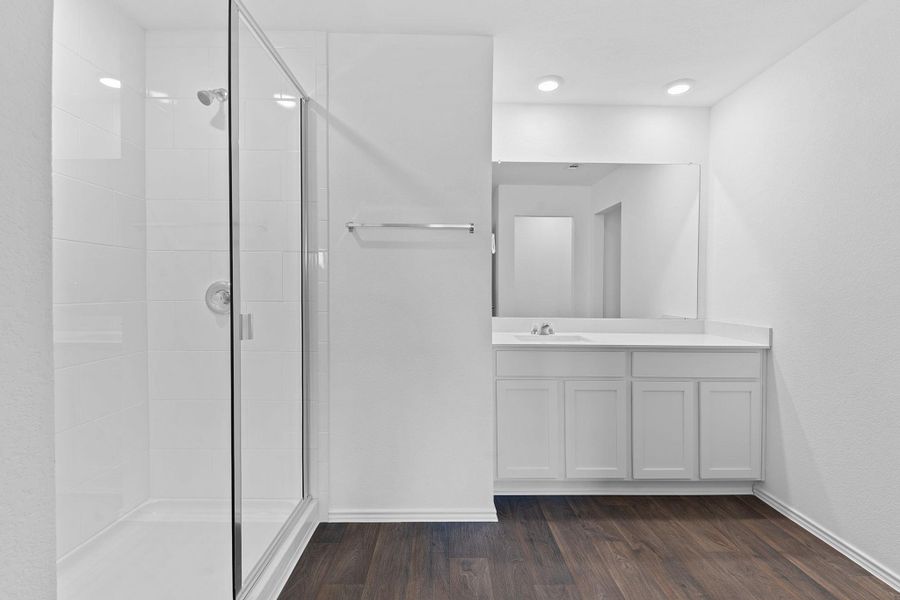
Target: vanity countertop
(625, 340)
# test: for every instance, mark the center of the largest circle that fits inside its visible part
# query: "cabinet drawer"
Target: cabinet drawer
(738, 365)
(560, 363)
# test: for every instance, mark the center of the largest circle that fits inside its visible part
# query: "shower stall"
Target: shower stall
(182, 268)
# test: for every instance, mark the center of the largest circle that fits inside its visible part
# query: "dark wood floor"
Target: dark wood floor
(587, 548)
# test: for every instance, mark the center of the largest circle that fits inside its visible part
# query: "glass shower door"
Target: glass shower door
(178, 303)
(141, 242)
(267, 273)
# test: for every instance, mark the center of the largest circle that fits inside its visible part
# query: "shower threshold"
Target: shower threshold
(169, 549)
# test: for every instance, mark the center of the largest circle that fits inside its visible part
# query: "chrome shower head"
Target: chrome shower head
(206, 97)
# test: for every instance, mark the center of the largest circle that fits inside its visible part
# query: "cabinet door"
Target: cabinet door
(664, 430)
(730, 430)
(596, 430)
(529, 423)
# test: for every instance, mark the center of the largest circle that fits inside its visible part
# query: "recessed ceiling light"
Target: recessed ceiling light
(682, 86)
(549, 83)
(110, 82)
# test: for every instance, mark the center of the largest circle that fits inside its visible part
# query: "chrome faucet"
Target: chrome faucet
(544, 329)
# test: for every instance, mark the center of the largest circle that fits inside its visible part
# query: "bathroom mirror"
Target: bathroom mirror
(595, 240)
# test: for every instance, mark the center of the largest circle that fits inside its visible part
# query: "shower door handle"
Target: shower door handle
(246, 326)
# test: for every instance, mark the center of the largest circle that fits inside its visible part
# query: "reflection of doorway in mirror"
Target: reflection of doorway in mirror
(544, 264)
(606, 264)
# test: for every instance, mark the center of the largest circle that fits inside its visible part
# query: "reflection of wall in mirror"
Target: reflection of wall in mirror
(659, 220)
(606, 300)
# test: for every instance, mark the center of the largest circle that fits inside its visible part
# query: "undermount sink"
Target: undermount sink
(551, 338)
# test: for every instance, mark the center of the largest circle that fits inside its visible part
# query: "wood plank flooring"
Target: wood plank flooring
(583, 548)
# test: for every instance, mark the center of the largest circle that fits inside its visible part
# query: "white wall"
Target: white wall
(804, 239)
(410, 326)
(659, 228)
(27, 520)
(99, 267)
(599, 134)
(607, 134)
(542, 200)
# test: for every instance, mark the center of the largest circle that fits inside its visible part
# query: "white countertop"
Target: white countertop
(626, 340)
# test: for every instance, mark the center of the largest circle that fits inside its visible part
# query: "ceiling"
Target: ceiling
(609, 52)
(531, 173)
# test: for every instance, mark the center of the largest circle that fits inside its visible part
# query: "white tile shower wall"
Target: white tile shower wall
(99, 258)
(188, 243)
(187, 249)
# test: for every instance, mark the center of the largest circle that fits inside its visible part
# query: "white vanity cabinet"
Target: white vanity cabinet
(596, 429)
(585, 420)
(665, 430)
(730, 430)
(529, 429)
(561, 414)
(551, 429)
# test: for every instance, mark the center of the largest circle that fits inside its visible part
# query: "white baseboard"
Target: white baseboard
(377, 515)
(847, 549)
(621, 488)
(292, 541)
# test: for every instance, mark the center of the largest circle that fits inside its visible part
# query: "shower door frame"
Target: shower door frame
(237, 14)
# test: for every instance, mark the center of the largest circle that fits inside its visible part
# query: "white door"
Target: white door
(664, 430)
(529, 423)
(596, 430)
(730, 430)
